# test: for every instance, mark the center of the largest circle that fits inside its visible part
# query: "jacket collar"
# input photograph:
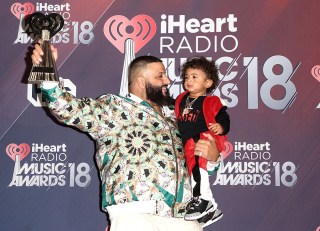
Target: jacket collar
(165, 110)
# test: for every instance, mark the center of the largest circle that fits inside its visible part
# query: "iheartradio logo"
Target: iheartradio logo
(228, 148)
(140, 29)
(17, 9)
(22, 150)
(129, 36)
(315, 72)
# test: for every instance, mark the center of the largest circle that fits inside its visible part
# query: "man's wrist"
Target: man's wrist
(47, 85)
(213, 164)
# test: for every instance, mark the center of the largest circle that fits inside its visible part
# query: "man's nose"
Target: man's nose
(166, 80)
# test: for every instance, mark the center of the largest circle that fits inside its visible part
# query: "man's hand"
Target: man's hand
(207, 148)
(38, 52)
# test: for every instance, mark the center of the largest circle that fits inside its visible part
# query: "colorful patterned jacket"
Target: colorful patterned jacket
(139, 153)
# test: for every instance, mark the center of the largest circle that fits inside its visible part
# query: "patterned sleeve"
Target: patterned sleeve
(81, 113)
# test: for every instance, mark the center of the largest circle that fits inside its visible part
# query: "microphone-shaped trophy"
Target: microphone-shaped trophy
(46, 26)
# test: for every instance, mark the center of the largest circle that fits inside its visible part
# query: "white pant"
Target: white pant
(205, 190)
(149, 222)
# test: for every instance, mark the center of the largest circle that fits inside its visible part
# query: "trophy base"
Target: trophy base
(39, 74)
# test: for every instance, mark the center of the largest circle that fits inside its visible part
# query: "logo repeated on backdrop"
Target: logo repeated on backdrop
(228, 148)
(21, 150)
(251, 165)
(129, 36)
(17, 9)
(219, 35)
(48, 166)
(315, 72)
(73, 31)
(140, 29)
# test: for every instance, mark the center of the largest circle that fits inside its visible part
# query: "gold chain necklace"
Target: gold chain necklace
(188, 106)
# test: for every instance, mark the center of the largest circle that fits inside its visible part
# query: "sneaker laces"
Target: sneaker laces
(194, 201)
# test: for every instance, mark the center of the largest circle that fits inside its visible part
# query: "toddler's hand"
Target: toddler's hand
(216, 128)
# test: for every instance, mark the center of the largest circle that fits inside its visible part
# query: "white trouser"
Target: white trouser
(149, 222)
(205, 189)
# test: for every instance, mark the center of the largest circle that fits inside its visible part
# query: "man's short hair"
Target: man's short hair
(141, 62)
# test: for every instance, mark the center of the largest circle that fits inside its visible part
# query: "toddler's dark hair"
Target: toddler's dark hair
(201, 63)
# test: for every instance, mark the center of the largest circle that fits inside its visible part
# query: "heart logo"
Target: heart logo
(315, 71)
(23, 150)
(118, 29)
(39, 22)
(227, 150)
(17, 9)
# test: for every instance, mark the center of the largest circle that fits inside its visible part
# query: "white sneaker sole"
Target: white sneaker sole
(213, 221)
(200, 215)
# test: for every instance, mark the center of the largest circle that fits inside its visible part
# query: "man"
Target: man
(139, 154)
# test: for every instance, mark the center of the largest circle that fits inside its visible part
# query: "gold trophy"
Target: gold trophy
(45, 26)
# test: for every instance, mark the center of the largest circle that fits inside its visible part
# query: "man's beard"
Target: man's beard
(155, 95)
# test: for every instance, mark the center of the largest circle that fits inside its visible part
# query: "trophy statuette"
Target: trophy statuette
(45, 26)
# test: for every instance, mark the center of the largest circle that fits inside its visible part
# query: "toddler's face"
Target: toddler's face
(196, 82)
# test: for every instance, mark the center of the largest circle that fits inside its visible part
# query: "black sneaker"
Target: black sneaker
(197, 208)
(210, 218)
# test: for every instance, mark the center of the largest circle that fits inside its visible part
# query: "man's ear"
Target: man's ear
(141, 82)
